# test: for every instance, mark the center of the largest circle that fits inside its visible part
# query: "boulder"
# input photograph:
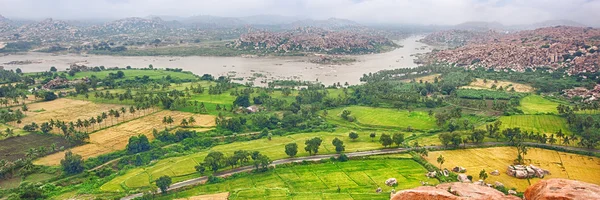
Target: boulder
(458, 169)
(463, 178)
(562, 189)
(446, 173)
(521, 174)
(512, 192)
(495, 173)
(391, 181)
(431, 174)
(379, 190)
(451, 191)
(498, 184)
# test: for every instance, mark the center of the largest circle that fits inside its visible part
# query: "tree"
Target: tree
(353, 135)
(53, 69)
(163, 183)
(138, 144)
(72, 163)
(214, 160)
(398, 138)
(483, 175)
(291, 149)
(478, 136)
(385, 140)
(243, 101)
(339, 145)
(372, 135)
(441, 160)
(312, 145)
(445, 139)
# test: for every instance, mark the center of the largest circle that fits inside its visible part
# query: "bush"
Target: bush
(343, 158)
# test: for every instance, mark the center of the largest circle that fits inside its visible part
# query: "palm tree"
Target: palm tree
(132, 111)
(111, 113)
(192, 120)
(92, 122)
(441, 160)
(31, 153)
(86, 124)
(123, 110)
(117, 115)
(9, 132)
(79, 124)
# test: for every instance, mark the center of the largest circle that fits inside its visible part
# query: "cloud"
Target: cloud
(377, 11)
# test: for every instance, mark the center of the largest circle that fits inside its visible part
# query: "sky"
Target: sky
(439, 12)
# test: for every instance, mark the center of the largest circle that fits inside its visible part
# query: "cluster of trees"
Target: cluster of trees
(215, 161)
(587, 127)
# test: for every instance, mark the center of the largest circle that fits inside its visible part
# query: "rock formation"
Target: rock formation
(562, 189)
(391, 181)
(552, 189)
(521, 171)
(459, 169)
(451, 191)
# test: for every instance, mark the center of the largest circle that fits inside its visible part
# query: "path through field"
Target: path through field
(201, 180)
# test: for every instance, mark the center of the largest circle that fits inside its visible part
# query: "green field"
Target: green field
(534, 104)
(16, 131)
(181, 168)
(537, 123)
(387, 117)
(132, 73)
(357, 179)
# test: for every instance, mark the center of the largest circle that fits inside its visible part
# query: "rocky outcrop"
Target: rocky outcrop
(459, 169)
(552, 189)
(451, 191)
(463, 178)
(562, 189)
(521, 171)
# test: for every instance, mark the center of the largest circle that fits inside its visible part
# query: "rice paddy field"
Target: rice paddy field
(507, 85)
(534, 104)
(357, 179)
(549, 124)
(387, 117)
(560, 164)
(181, 168)
(116, 137)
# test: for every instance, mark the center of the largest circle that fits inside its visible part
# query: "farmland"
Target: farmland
(115, 138)
(547, 124)
(65, 110)
(387, 117)
(357, 179)
(182, 166)
(534, 104)
(506, 85)
(560, 164)
(15, 147)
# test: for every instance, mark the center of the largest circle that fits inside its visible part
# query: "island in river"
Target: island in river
(243, 69)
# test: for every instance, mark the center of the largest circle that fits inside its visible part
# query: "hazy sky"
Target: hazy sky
(378, 11)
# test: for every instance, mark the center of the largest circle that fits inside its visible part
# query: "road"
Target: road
(226, 173)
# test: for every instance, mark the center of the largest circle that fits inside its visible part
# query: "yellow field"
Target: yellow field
(116, 138)
(65, 110)
(428, 78)
(479, 84)
(560, 164)
(218, 196)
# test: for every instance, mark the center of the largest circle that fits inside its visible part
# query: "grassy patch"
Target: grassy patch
(387, 117)
(15, 147)
(357, 179)
(10, 183)
(132, 73)
(549, 124)
(534, 104)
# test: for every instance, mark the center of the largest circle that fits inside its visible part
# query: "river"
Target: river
(282, 68)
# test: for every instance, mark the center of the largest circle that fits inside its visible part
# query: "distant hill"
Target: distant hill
(484, 26)
(479, 26)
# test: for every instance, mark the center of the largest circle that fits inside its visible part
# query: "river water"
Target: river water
(282, 68)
